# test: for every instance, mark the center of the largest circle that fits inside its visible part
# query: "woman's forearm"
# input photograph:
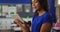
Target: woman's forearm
(26, 30)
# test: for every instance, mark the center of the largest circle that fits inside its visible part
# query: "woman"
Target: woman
(41, 21)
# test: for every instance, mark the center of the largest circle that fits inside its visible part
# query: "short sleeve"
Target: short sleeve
(47, 18)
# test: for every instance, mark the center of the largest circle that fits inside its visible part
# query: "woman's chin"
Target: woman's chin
(35, 10)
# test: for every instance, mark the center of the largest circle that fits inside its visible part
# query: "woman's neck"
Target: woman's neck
(41, 12)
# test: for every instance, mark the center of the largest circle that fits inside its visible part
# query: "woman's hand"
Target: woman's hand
(24, 26)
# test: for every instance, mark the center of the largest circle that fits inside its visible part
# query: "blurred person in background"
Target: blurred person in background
(42, 21)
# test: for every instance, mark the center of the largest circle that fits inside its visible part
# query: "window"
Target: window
(27, 8)
(19, 7)
(0, 10)
(12, 9)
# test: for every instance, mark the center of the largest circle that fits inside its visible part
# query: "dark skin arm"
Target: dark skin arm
(45, 27)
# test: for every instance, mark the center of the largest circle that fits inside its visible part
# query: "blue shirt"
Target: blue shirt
(39, 20)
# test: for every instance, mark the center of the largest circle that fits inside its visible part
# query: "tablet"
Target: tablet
(16, 16)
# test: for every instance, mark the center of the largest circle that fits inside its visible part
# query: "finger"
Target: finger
(20, 24)
(17, 20)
